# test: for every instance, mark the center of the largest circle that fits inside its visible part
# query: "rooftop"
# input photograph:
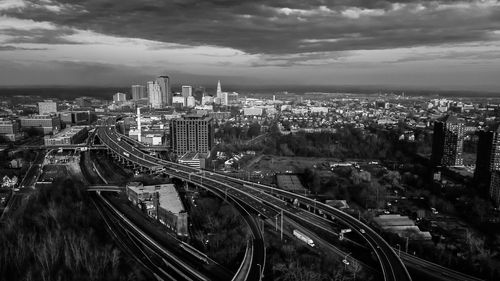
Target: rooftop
(168, 197)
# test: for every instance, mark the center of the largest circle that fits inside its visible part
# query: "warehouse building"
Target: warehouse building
(161, 202)
(72, 135)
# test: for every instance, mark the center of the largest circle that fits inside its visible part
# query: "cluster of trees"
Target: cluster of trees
(220, 230)
(346, 142)
(347, 184)
(229, 132)
(60, 237)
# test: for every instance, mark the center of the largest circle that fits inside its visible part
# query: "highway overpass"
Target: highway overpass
(391, 266)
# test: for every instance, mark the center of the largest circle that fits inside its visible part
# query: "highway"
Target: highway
(391, 265)
(153, 255)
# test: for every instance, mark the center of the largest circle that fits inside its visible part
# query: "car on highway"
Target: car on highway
(362, 231)
(345, 262)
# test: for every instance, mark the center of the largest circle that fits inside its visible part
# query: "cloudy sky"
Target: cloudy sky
(416, 43)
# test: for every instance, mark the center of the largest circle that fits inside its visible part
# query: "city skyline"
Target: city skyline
(432, 44)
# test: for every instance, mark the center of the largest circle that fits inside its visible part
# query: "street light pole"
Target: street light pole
(260, 271)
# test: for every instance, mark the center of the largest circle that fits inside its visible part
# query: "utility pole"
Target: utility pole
(406, 248)
(281, 224)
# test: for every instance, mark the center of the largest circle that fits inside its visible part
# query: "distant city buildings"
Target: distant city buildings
(166, 93)
(75, 117)
(219, 90)
(159, 92)
(192, 133)
(119, 97)
(47, 107)
(139, 92)
(187, 91)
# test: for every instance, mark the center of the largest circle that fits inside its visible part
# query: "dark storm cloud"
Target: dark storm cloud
(276, 27)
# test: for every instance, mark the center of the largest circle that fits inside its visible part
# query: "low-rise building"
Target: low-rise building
(45, 124)
(161, 202)
(71, 135)
(9, 130)
(402, 226)
(194, 159)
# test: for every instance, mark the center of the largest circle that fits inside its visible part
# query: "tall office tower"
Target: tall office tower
(495, 168)
(154, 92)
(47, 107)
(166, 94)
(192, 133)
(119, 97)
(219, 90)
(138, 92)
(453, 142)
(484, 161)
(187, 91)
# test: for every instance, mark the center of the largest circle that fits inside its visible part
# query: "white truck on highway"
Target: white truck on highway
(126, 154)
(303, 237)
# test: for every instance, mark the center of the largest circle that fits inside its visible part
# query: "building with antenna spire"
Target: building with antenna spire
(219, 90)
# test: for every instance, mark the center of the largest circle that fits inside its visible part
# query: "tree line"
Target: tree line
(59, 236)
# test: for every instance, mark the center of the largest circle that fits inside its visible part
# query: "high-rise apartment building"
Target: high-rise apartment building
(139, 92)
(447, 147)
(47, 107)
(192, 133)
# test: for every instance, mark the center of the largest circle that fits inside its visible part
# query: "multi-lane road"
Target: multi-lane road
(391, 265)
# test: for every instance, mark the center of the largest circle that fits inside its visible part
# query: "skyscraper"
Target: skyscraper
(193, 133)
(482, 173)
(187, 91)
(155, 94)
(219, 90)
(447, 147)
(138, 92)
(453, 142)
(495, 168)
(166, 94)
